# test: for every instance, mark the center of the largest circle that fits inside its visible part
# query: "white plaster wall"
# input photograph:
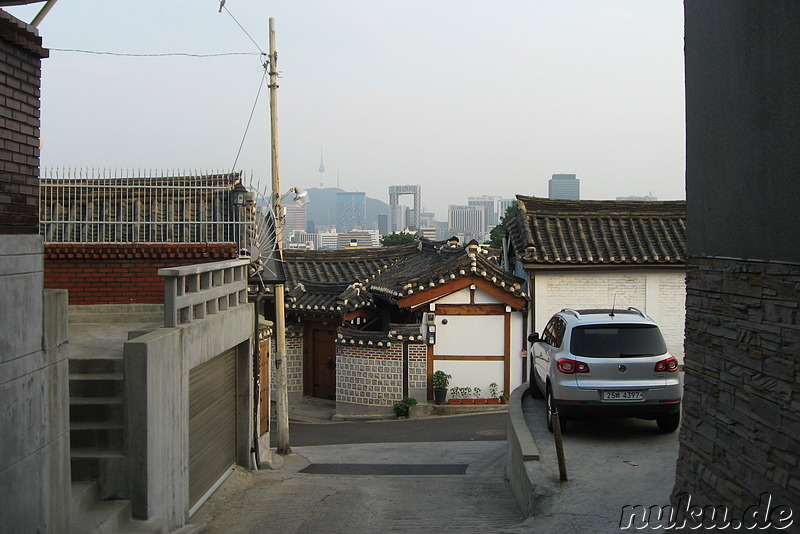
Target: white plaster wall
(470, 335)
(660, 294)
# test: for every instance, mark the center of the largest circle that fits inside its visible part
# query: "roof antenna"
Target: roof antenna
(613, 305)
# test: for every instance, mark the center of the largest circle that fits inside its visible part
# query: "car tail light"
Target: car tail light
(669, 365)
(569, 367)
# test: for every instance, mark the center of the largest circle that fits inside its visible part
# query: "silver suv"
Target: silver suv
(589, 363)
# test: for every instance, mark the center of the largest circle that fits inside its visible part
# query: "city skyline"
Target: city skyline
(457, 95)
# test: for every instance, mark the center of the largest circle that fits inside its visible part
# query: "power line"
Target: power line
(222, 6)
(166, 54)
(249, 120)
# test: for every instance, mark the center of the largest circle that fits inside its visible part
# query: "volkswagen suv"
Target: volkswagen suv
(606, 362)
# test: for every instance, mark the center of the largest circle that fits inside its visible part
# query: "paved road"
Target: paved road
(417, 475)
(610, 464)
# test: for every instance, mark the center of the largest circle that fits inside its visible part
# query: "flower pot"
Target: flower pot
(454, 401)
(439, 396)
(493, 400)
(481, 401)
(467, 401)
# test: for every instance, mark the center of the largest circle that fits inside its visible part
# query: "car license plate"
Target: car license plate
(622, 395)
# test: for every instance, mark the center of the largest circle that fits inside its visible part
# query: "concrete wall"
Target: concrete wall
(157, 368)
(659, 293)
(34, 421)
(741, 427)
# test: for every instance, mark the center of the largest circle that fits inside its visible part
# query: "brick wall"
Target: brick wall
(20, 71)
(660, 293)
(121, 274)
(741, 429)
(418, 367)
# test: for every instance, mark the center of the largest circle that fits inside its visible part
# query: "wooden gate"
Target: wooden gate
(320, 362)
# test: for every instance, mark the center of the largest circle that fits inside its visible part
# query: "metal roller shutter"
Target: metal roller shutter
(212, 423)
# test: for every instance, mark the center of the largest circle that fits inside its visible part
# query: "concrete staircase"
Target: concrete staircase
(97, 430)
(92, 516)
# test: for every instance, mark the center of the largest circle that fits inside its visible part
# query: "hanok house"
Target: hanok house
(368, 327)
(603, 253)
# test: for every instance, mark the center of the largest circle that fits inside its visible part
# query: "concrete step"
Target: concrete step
(98, 364)
(106, 409)
(105, 466)
(96, 434)
(84, 495)
(96, 385)
(103, 517)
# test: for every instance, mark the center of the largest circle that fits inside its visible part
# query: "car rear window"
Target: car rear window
(615, 341)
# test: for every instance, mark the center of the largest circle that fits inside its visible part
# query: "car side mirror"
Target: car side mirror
(534, 337)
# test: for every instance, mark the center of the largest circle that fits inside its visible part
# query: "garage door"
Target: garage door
(212, 424)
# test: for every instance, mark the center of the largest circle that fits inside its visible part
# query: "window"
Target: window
(617, 341)
(554, 332)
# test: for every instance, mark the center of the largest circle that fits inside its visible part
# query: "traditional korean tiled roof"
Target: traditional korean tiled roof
(359, 275)
(330, 298)
(563, 232)
(437, 264)
(398, 333)
(340, 266)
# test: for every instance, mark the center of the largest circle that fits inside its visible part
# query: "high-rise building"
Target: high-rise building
(467, 222)
(351, 211)
(383, 223)
(410, 217)
(564, 187)
(490, 206)
(294, 220)
(503, 204)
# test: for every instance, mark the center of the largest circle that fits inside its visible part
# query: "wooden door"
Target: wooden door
(323, 363)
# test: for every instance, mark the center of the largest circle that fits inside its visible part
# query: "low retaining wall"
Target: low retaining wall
(523, 469)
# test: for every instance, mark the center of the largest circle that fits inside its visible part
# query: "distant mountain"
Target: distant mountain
(322, 208)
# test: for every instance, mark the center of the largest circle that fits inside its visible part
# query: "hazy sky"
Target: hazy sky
(464, 97)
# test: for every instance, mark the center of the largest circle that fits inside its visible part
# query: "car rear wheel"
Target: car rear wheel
(669, 423)
(550, 407)
(536, 393)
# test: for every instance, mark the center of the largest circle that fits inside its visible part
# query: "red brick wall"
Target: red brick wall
(121, 274)
(20, 71)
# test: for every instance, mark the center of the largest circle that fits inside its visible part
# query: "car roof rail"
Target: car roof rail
(637, 310)
(571, 311)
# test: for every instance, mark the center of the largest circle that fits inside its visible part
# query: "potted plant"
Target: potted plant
(401, 407)
(503, 397)
(478, 398)
(440, 381)
(493, 398)
(467, 393)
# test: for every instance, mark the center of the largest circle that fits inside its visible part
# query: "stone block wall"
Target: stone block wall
(369, 376)
(741, 429)
(294, 367)
(121, 274)
(417, 369)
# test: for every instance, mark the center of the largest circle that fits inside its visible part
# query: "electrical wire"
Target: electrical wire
(125, 54)
(249, 120)
(222, 6)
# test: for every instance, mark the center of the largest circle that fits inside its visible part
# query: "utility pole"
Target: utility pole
(282, 394)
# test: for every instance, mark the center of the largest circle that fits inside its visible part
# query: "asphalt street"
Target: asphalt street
(610, 463)
(441, 474)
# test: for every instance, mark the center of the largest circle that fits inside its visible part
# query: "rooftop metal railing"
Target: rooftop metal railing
(123, 207)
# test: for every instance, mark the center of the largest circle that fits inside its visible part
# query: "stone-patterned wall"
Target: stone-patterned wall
(370, 376)
(417, 367)
(294, 362)
(741, 429)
